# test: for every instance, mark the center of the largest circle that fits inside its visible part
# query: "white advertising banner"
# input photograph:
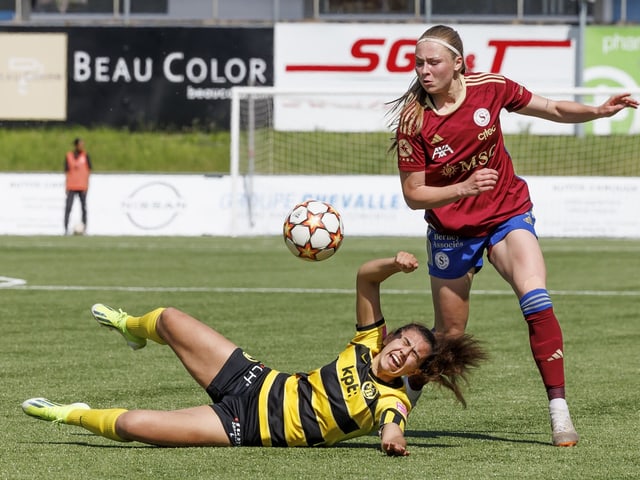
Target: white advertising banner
(152, 204)
(363, 56)
(370, 205)
(32, 204)
(116, 205)
(586, 206)
(33, 76)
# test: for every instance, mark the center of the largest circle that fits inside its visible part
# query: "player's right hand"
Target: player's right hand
(482, 180)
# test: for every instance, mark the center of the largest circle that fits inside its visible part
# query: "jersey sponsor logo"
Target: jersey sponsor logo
(405, 150)
(348, 381)
(449, 170)
(454, 242)
(441, 260)
(478, 160)
(487, 132)
(236, 433)
(253, 374)
(436, 139)
(442, 151)
(481, 117)
(369, 390)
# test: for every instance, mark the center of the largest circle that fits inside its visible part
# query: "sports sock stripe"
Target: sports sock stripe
(535, 301)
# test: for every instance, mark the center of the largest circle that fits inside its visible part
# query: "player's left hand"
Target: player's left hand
(406, 262)
(395, 448)
(616, 103)
(392, 441)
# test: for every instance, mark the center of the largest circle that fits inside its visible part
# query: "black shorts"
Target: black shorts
(235, 392)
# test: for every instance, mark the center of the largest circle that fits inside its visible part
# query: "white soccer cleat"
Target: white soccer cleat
(563, 433)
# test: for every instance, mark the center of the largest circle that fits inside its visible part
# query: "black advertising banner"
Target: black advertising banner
(136, 77)
(147, 77)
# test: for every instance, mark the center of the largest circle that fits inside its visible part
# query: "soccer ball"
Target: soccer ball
(79, 229)
(313, 230)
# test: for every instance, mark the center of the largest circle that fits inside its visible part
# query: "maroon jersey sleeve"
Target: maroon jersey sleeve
(412, 156)
(516, 96)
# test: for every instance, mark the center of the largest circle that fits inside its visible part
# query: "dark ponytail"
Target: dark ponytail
(450, 362)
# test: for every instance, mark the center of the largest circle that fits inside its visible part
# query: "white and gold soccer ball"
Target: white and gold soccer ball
(313, 230)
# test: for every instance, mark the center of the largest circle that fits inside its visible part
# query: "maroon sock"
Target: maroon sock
(545, 338)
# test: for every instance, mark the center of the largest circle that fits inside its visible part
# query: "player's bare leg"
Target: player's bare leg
(198, 426)
(451, 309)
(451, 304)
(518, 258)
(201, 349)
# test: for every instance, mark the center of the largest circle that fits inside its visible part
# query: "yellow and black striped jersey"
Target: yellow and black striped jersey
(338, 401)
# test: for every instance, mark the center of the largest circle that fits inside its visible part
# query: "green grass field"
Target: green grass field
(296, 316)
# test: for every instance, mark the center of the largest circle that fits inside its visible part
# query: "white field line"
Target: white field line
(16, 284)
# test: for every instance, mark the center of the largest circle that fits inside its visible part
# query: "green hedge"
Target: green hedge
(111, 150)
(42, 149)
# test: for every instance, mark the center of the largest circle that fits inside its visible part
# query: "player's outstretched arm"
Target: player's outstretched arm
(392, 440)
(573, 112)
(370, 275)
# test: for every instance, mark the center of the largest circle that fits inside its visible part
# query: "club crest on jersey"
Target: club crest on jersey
(249, 357)
(441, 260)
(369, 390)
(405, 150)
(481, 117)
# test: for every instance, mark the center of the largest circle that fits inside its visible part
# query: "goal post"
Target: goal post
(338, 131)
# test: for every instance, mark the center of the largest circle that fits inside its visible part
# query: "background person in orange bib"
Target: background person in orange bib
(77, 168)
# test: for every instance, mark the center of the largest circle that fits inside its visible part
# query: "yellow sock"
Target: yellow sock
(100, 422)
(145, 326)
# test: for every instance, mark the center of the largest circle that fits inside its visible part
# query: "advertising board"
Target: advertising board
(157, 205)
(612, 61)
(163, 76)
(33, 76)
(363, 56)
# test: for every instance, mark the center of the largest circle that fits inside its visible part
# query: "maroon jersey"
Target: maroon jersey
(450, 147)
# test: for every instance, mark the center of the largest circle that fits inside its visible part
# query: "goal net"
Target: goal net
(344, 132)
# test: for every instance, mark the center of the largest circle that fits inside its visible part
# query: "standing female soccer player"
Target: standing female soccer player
(454, 165)
(359, 392)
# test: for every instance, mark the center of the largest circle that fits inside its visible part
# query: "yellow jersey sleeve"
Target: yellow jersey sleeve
(371, 336)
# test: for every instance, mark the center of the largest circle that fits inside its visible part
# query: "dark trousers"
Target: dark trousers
(83, 203)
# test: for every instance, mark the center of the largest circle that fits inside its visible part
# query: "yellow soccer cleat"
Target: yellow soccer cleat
(49, 411)
(117, 320)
